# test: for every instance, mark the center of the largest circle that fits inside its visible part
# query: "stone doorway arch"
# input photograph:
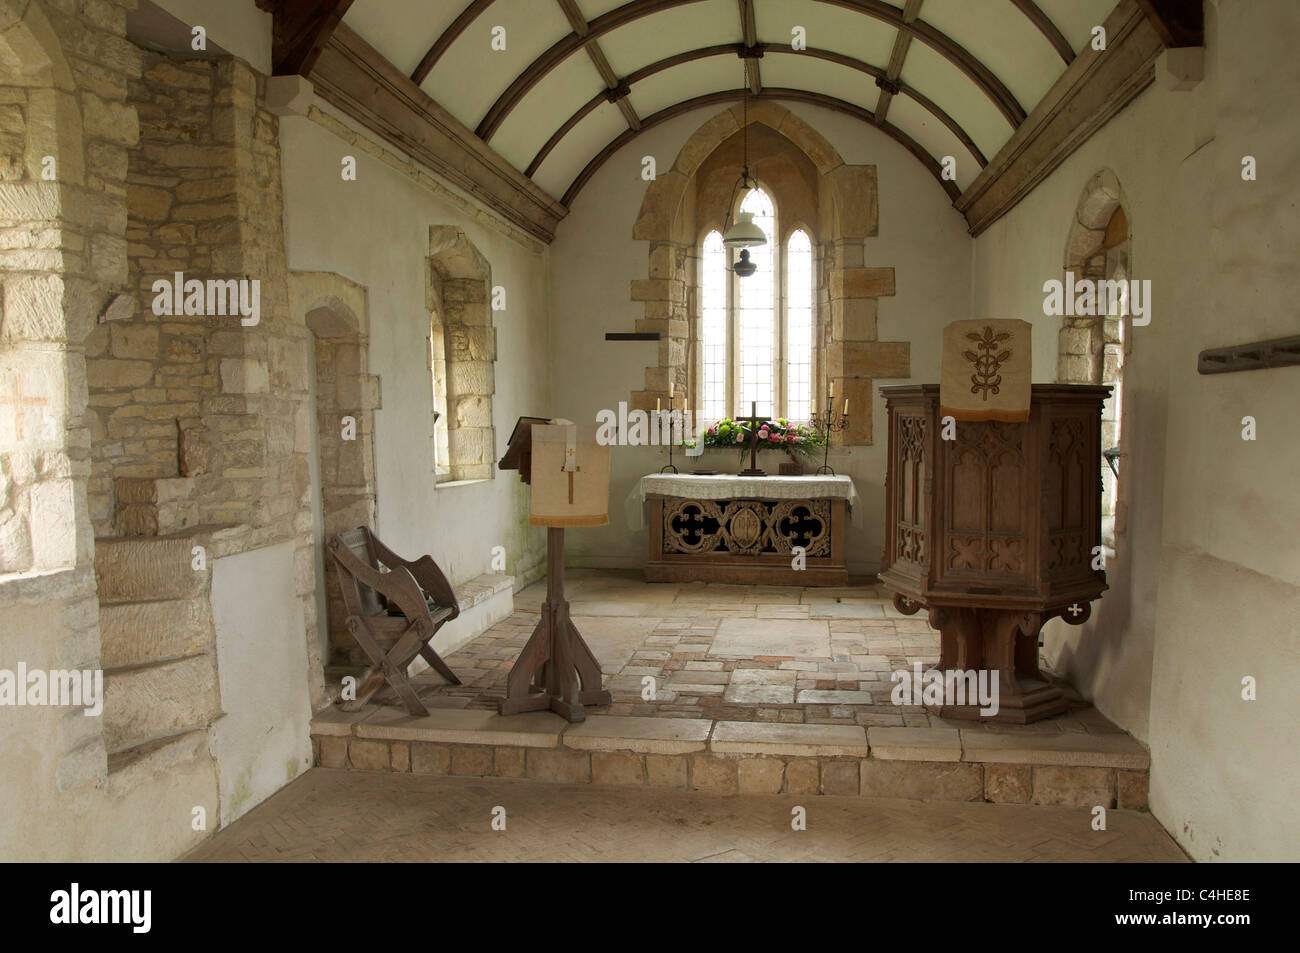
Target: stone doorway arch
(344, 396)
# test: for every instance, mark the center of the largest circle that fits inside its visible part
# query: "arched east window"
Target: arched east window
(756, 344)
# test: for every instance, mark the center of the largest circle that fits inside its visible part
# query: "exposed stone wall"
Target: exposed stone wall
(203, 396)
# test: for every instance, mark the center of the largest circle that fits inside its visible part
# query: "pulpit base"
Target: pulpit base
(1032, 703)
(1003, 642)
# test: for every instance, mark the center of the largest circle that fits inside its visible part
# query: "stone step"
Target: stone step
(727, 757)
(161, 753)
(150, 568)
(148, 702)
(136, 633)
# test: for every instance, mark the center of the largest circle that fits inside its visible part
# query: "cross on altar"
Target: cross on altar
(754, 419)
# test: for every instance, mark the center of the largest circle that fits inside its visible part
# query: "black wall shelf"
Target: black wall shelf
(1278, 352)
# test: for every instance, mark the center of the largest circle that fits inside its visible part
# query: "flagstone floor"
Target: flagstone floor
(730, 653)
(329, 815)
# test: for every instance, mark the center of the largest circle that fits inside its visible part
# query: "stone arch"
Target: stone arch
(46, 314)
(845, 214)
(52, 217)
(1093, 348)
(342, 466)
(462, 357)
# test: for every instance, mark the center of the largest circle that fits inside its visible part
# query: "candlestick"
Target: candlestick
(828, 423)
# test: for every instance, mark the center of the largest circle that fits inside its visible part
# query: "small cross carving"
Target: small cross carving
(1074, 610)
(17, 399)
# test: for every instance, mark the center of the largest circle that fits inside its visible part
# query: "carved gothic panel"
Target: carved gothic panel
(747, 527)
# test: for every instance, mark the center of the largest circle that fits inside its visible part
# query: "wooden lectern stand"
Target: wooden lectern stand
(556, 669)
(995, 532)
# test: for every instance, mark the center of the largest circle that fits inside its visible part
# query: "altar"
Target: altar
(770, 530)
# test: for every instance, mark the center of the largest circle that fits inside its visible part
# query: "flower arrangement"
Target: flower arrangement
(776, 434)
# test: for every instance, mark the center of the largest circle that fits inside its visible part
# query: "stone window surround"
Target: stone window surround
(458, 288)
(847, 291)
(1094, 349)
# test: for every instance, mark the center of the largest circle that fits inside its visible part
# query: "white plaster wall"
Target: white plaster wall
(593, 260)
(375, 232)
(263, 739)
(1206, 587)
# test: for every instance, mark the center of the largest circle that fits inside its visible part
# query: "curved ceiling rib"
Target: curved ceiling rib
(954, 52)
(449, 35)
(768, 92)
(734, 49)
(1046, 27)
(948, 48)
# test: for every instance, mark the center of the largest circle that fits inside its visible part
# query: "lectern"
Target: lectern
(568, 476)
(995, 531)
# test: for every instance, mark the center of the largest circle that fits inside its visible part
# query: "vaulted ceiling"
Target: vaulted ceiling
(944, 77)
(577, 79)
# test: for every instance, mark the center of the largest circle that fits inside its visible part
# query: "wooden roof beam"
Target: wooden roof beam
(448, 37)
(1046, 27)
(770, 92)
(750, 54)
(889, 82)
(735, 49)
(940, 42)
(299, 31)
(616, 90)
(1178, 23)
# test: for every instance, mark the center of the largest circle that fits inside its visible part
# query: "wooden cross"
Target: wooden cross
(16, 398)
(567, 468)
(754, 419)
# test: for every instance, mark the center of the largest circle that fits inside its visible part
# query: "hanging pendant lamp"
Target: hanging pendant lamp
(743, 233)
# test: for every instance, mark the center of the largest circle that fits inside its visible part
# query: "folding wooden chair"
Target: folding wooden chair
(392, 614)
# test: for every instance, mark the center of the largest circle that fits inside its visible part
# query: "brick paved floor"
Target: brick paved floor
(733, 653)
(329, 815)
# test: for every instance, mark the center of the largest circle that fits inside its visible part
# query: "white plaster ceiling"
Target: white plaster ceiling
(472, 81)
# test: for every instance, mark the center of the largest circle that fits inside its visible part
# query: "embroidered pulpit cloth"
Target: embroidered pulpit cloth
(986, 370)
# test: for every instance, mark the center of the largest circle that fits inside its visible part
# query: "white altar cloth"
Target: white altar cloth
(724, 486)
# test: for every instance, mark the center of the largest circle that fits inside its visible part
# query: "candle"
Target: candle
(832, 394)
(657, 408)
(846, 406)
(671, 385)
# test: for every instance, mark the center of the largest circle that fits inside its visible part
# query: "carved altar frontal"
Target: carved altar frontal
(995, 531)
(754, 538)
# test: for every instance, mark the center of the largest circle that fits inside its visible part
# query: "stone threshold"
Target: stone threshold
(730, 757)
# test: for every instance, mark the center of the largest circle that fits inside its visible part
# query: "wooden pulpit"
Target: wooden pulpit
(995, 532)
(568, 476)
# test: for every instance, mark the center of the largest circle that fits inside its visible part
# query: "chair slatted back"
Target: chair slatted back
(365, 601)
